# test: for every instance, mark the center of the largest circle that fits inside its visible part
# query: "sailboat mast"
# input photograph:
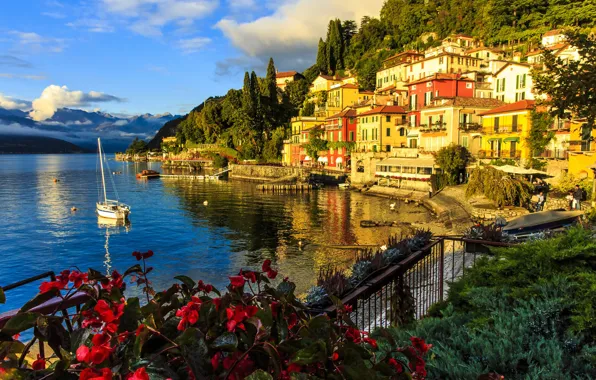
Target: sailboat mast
(103, 178)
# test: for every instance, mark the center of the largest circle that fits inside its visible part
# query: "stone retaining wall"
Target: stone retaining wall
(264, 173)
(492, 214)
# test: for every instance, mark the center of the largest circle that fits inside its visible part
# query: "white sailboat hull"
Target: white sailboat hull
(112, 211)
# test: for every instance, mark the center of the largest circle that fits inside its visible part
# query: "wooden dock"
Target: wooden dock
(277, 188)
(191, 176)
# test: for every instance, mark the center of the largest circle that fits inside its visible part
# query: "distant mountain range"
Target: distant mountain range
(82, 128)
(36, 144)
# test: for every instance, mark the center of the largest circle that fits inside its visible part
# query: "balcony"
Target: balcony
(484, 86)
(468, 127)
(502, 129)
(401, 123)
(499, 154)
(580, 145)
(434, 127)
(560, 154)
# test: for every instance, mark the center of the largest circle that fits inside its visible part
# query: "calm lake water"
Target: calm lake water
(239, 228)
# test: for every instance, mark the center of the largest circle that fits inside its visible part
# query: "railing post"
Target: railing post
(441, 268)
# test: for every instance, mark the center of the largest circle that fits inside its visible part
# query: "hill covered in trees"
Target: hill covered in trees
(11, 144)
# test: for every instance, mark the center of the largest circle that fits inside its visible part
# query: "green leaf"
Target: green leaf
(156, 368)
(316, 352)
(186, 281)
(227, 341)
(133, 269)
(320, 327)
(140, 342)
(259, 374)
(194, 351)
(275, 359)
(2, 296)
(131, 316)
(95, 275)
(78, 338)
(39, 299)
(286, 288)
(20, 323)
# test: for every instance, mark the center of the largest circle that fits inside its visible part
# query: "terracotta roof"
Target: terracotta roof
(441, 76)
(362, 103)
(559, 46)
(384, 110)
(553, 32)
(405, 53)
(285, 74)
(332, 77)
(345, 113)
(460, 101)
(442, 55)
(517, 106)
(350, 85)
(366, 92)
(509, 64)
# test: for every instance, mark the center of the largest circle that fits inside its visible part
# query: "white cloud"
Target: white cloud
(20, 76)
(31, 42)
(56, 15)
(54, 97)
(94, 25)
(292, 32)
(192, 45)
(10, 103)
(149, 16)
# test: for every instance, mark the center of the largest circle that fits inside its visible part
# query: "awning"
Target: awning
(510, 139)
(307, 158)
(518, 170)
(322, 159)
(339, 160)
(433, 113)
(416, 162)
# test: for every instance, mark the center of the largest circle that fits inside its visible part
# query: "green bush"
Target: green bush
(220, 162)
(566, 182)
(525, 312)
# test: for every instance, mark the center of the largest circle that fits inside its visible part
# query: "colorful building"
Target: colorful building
(325, 82)
(512, 83)
(485, 53)
(299, 127)
(339, 97)
(505, 130)
(282, 78)
(446, 63)
(381, 128)
(423, 91)
(340, 128)
(393, 73)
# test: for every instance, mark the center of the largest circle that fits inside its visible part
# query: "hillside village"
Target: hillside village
(460, 92)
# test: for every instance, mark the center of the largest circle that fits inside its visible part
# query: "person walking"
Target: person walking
(577, 198)
(430, 190)
(569, 198)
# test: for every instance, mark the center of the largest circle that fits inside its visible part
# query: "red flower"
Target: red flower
(271, 274)
(138, 255)
(91, 374)
(112, 328)
(122, 337)
(274, 308)
(294, 368)
(78, 278)
(237, 282)
(370, 341)
(189, 313)
(83, 354)
(100, 339)
(396, 365)
(420, 345)
(205, 287)
(335, 356)
(115, 282)
(140, 374)
(242, 369)
(100, 354)
(266, 265)
(140, 329)
(16, 336)
(237, 315)
(148, 254)
(63, 276)
(249, 276)
(46, 286)
(217, 303)
(39, 364)
(215, 360)
(292, 320)
(106, 314)
(347, 308)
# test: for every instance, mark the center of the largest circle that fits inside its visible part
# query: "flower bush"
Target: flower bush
(253, 330)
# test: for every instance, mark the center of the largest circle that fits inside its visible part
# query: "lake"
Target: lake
(239, 228)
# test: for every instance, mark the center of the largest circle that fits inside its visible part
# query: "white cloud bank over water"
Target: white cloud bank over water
(54, 97)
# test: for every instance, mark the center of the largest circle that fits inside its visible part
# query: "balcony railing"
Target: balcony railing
(502, 129)
(561, 154)
(516, 154)
(470, 126)
(580, 145)
(434, 127)
(401, 123)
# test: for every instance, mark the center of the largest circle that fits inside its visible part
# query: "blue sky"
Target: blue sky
(139, 56)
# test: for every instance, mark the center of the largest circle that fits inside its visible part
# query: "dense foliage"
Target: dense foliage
(499, 187)
(255, 330)
(566, 182)
(525, 313)
(137, 146)
(453, 159)
(571, 86)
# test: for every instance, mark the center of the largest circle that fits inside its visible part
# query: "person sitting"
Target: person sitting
(540, 202)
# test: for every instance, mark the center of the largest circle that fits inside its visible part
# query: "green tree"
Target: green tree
(335, 47)
(453, 159)
(349, 29)
(315, 143)
(308, 109)
(274, 146)
(296, 92)
(367, 73)
(321, 64)
(137, 146)
(270, 88)
(539, 136)
(570, 86)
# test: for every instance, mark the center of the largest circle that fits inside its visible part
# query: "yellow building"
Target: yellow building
(324, 82)
(505, 130)
(340, 97)
(393, 74)
(298, 125)
(381, 128)
(581, 149)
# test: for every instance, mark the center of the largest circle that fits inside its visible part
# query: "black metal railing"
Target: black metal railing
(407, 290)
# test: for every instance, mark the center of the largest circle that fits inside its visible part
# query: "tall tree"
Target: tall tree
(322, 57)
(270, 88)
(349, 29)
(332, 39)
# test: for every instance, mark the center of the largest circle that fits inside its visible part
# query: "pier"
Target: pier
(275, 188)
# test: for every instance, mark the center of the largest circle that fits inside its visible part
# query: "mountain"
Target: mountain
(82, 127)
(36, 144)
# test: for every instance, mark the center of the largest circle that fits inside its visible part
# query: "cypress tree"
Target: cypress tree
(270, 89)
(331, 60)
(248, 103)
(322, 57)
(255, 94)
(339, 45)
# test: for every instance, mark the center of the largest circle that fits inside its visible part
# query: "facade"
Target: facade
(505, 130)
(282, 78)
(381, 128)
(340, 128)
(553, 37)
(339, 97)
(512, 83)
(393, 73)
(453, 121)
(300, 127)
(485, 53)
(447, 63)
(325, 82)
(422, 92)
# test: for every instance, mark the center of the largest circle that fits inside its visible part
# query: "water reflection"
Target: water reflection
(111, 227)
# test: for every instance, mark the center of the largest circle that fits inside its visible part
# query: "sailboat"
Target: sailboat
(110, 209)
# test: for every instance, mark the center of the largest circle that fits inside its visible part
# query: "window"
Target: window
(413, 87)
(464, 141)
(440, 60)
(413, 143)
(388, 119)
(351, 135)
(388, 132)
(413, 120)
(430, 121)
(402, 131)
(520, 96)
(514, 123)
(428, 98)
(387, 148)
(351, 120)
(429, 84)
(468, 85)
(496, 124)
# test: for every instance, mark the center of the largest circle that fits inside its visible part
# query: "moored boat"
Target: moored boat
(148, 174)
(527, 225)
(108, 208)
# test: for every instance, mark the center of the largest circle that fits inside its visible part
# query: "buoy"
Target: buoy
(56, 180)
(383, 248)
(73, 209)
(206, 203)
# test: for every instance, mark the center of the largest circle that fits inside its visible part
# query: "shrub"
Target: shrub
(219, 161)
(255, 330)
(499, 187)
(566, 182)
(453, 159)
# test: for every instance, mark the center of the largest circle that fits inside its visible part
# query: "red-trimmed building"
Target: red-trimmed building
(422, 92)
(340, 128)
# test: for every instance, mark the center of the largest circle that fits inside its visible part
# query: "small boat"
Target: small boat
(117, 172)
(147, 174)
(525, 226)
(108, 208)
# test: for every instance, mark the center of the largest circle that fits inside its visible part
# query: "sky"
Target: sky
(152, 56)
